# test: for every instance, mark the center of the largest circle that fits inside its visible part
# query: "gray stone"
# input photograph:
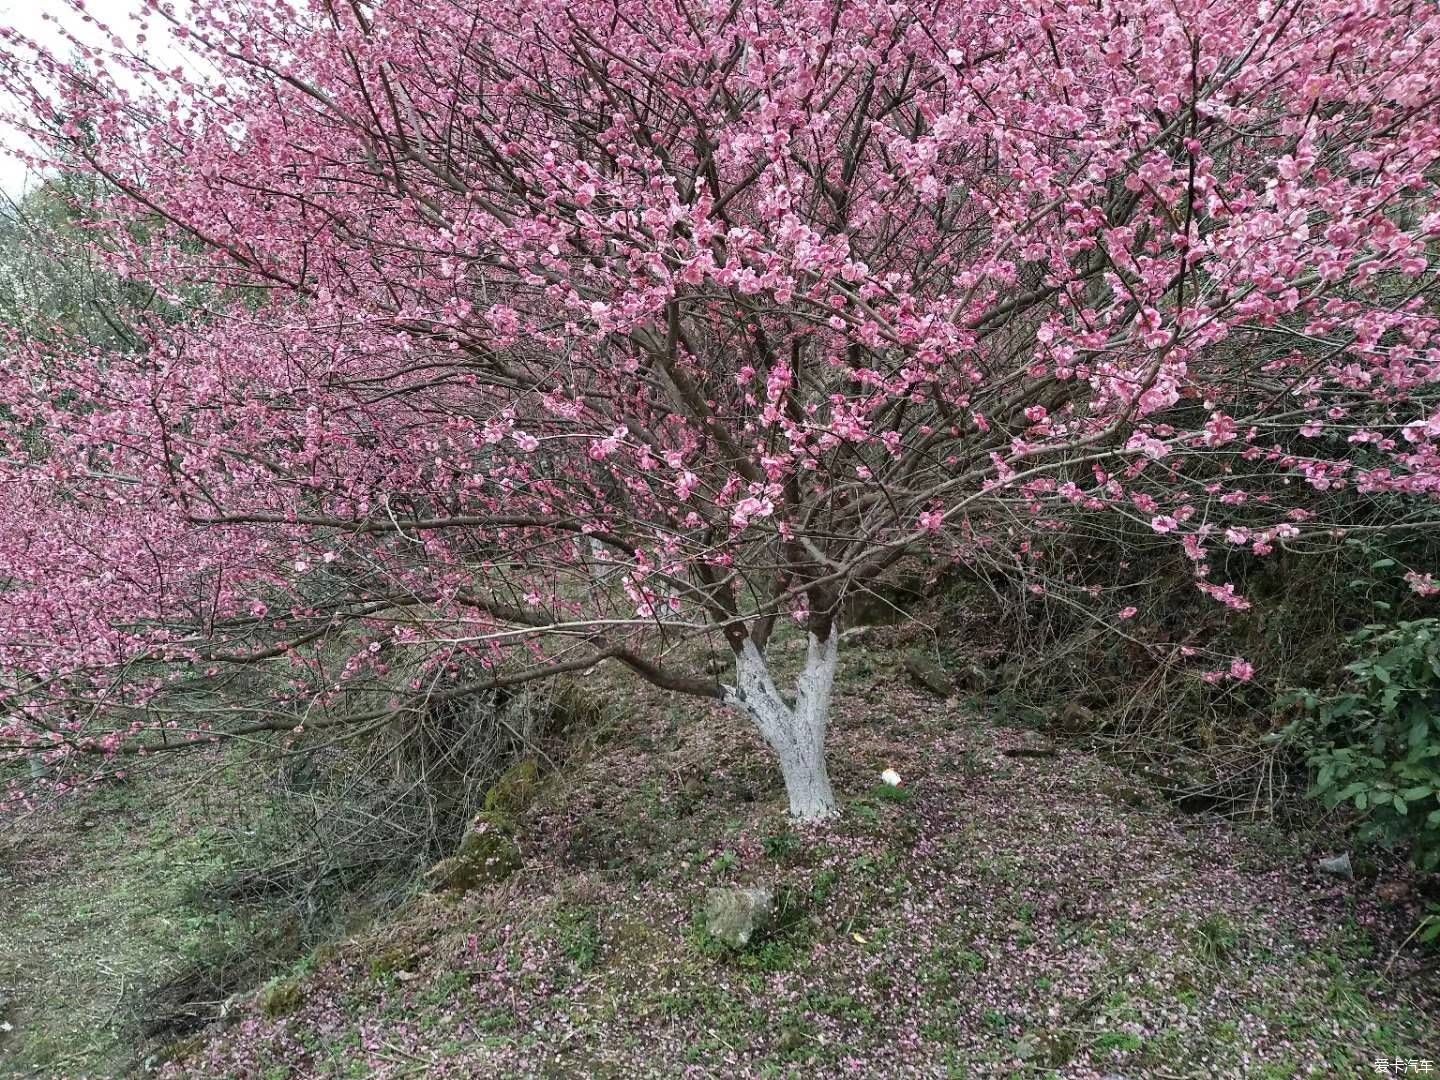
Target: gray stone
(734, 916)
(1339, 865)
(928, 674)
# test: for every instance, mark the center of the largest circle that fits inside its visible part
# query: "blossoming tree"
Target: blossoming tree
(528, 336)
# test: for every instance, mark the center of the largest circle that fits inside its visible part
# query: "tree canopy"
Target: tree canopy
(526, 336)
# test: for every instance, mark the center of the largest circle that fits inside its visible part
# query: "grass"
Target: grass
(1216, 938)
(579, 935)
(130, 932)
(103, 905)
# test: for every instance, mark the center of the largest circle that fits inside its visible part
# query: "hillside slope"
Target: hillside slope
(1015, 908)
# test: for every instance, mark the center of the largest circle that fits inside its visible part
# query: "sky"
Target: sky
(27, 16)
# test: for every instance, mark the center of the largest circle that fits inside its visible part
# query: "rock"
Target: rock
(928, 674)
(279, 998)
(1075, 719)
(516, 788)
(1339, 865)
(973, 679)
(734, 916)
(487, 856)
(791, 1040)
(391, 961)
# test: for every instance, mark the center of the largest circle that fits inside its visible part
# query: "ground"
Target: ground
(93, 912)
(1016, 907)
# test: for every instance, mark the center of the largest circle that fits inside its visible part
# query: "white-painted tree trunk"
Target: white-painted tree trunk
(796, 733)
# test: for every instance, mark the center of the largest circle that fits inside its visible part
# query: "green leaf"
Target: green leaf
(1419, 733)
(1419, 792)
(1340, 708)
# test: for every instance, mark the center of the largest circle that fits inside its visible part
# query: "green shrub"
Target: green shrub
(1375, 742)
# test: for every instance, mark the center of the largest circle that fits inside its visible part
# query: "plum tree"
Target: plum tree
(523, 337)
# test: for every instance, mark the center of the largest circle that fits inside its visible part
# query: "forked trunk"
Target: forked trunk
(796, 733)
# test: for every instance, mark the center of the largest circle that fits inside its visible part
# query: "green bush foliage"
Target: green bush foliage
(1374, 742)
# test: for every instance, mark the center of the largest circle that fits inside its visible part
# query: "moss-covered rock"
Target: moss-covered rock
(927, 674)
(281, 997)
(516, 789)
(487, 856)
(736, 915)
(391, 961)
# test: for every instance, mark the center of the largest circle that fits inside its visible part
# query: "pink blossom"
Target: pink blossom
(722, 275)
(1422, 584)
(750, 508)
(1225, 594)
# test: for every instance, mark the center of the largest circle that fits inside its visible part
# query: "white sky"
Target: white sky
(27, 16)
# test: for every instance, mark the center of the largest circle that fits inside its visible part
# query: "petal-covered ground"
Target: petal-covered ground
(1013, 908)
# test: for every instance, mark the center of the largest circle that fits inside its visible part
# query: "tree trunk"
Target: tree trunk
(796, 733)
